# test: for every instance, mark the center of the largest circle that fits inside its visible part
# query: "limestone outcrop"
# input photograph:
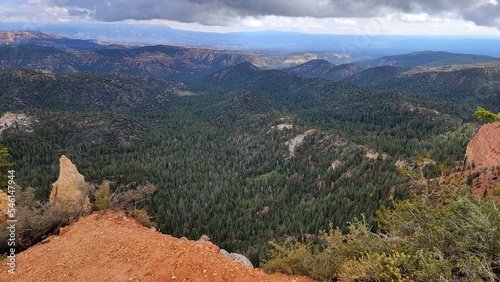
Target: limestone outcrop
(484, 149)
(241, 259)
(9, 119)
(70, 193)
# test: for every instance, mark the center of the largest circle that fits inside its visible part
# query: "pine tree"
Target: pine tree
(5, 167)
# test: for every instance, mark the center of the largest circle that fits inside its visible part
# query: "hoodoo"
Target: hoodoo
(70, 191)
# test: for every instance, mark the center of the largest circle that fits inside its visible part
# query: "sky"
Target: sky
(409, 17)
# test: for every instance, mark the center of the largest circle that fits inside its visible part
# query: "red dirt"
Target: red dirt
(486, 183)
(113, 247)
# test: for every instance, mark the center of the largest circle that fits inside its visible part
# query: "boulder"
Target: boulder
(205, 242)
(241, 259)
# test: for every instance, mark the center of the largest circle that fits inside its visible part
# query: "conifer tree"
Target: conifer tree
(5, 166)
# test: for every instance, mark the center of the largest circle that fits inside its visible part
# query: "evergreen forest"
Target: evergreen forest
(243, 155)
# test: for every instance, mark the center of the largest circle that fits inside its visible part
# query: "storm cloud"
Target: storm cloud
(224, 12)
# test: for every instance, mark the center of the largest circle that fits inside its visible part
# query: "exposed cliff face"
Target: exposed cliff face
(484, 150)
(17, 120)
(23, 36)
(113, 247)
(70, 191)
(483, 160)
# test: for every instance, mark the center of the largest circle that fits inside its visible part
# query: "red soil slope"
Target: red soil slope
(113, 247)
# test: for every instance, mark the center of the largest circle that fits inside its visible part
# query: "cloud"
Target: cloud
(487, 15)
(225, 12)
(34, 14)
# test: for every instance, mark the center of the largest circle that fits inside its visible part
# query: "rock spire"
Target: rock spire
(70, 192)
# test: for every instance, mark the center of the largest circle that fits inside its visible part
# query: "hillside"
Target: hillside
(23, 89)
(324, 69)
(153, 60)
(462, 89)
(429, 58)
(113, 247)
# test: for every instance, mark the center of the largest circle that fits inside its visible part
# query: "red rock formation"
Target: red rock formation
(483, 161)
(484, 150)
(20, 36)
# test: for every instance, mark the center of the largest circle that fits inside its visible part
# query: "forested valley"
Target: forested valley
(242, 155)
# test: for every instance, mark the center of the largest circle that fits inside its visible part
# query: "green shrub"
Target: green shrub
(496, 191)
(290, 258)
(102, 196)
(434, 236)
(142, 217)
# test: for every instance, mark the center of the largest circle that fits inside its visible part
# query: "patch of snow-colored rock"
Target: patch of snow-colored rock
(294, 143)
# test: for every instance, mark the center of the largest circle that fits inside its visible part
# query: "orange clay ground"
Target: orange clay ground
(113, 247)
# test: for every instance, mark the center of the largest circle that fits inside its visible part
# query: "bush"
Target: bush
(102, 196)
(142, 217)
(35, 221)
(290, 258)
(129, 199)
(434, 236)
(461, 229)
(496, 191)
(372, 267)
(329, 260)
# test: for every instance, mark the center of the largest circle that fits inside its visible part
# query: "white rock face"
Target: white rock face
(284, 126)
(243, 260)
(297, 141)
(8, 119)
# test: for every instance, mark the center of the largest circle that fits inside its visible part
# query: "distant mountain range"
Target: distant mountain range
(37, 38)
(43, 51)
(423, 73)
(361, 46)
(391, 66)
(36, 50)
(430, 59)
